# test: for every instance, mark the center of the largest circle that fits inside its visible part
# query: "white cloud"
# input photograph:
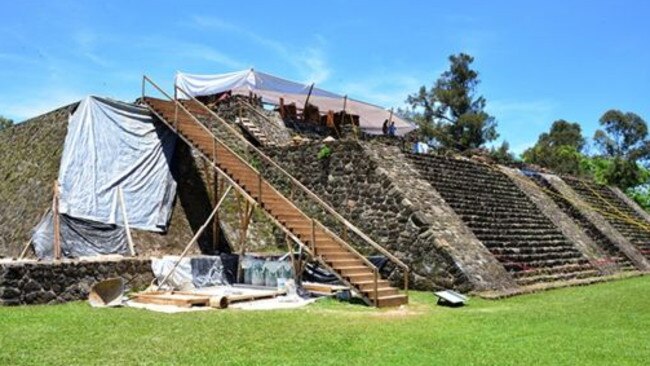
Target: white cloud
(310, 62)
(205, 52)
(384, 90)
(38, 102)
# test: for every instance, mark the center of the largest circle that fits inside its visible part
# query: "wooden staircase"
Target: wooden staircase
(322, 244)
(254, 131)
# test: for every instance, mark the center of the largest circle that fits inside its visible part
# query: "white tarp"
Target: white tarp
(272, 88)
(112, 144)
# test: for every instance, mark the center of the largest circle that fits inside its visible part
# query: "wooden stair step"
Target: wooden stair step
(360, 277)
(370, 285)
(381, 292)
(354, 270)
(392, 300)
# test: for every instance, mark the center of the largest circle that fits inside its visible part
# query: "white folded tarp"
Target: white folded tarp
(112, 144)
(272, 88)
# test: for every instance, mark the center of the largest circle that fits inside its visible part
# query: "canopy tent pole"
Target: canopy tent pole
(195, 238)
(311, 88)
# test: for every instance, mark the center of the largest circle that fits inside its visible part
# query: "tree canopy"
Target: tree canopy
(5, 123)
(623, 141)
(450, 111)
(559, 149)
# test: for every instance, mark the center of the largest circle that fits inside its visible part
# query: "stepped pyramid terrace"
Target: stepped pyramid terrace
(257, 173)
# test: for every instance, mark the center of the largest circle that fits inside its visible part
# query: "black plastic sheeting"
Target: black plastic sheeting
(78, 238)
(204, 265)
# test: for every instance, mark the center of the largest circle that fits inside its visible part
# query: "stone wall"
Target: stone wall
(31, 282)
(352, 183)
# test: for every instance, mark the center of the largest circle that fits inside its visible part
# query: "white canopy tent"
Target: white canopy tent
(271, 88)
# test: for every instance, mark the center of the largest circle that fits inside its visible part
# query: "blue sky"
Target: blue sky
(537, 62)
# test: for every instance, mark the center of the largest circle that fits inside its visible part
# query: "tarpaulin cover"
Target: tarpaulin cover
(271, 88)
(79, 238)
(197, 271)
(112, 144)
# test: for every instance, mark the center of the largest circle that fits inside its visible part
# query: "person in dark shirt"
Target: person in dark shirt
(384, 128)
(392, 129)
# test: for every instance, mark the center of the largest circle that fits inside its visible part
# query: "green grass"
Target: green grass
(606, 324)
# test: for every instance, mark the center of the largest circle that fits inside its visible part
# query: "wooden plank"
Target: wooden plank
(182, 300)
(323, 288)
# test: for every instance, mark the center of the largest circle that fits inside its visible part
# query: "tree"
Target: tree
(450, 112)
(624, 141)
(560, 149)
(502, 154)
(5, 123)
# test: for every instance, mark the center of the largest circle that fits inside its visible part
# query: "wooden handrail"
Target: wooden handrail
(297, 183)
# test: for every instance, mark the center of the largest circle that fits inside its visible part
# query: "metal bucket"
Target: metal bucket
(107, 293)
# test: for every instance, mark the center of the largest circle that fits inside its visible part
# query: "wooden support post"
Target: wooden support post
(24, 251)
(376, 299)
(293, 260)
(259, 188)
(313, 237)
(245, 213)
(176, 115)
(216, 227)
(195, 238)
(129, 239)
(282, 112)
(56, 221)
(406, 282)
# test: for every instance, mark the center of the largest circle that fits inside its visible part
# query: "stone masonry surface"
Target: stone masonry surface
(31, 282)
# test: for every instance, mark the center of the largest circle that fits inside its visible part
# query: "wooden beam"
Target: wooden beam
(126, 222)
(216, 227)
(195, 238)
(56, 222)
(245, 213)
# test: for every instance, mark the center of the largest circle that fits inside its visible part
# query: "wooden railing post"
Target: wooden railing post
(313, 236)
(376, 299)
(176, 115)
(259, 187)
(406, 282)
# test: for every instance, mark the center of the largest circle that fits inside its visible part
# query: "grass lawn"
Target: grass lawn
(606, 324)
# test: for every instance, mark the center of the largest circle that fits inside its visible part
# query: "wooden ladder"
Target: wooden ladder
(322, 244)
